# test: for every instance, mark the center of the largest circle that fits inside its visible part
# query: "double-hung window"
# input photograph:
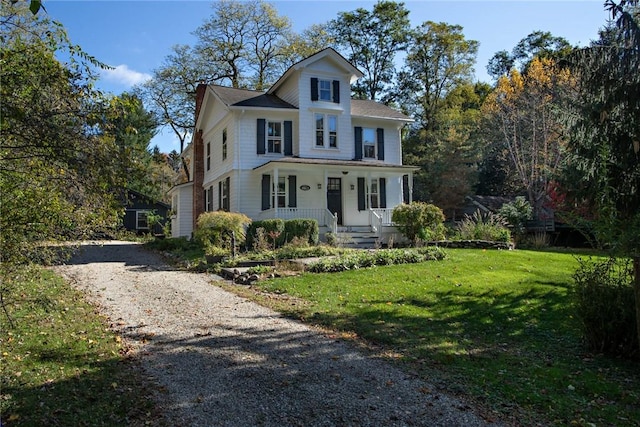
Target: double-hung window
(279, 195)
(208, 155)
(142, 222)
(274, 137)
(374, 193)
(326, 130)
(324, 90)
(224, 144)
(369, 143)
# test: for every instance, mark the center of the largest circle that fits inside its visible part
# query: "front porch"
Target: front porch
(378, 229)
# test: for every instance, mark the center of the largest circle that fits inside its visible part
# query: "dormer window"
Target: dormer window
(325, 90)
(324, 86)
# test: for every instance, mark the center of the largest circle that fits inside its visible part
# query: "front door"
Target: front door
(334, 197)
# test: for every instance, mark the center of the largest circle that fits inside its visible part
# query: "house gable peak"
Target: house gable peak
(325, 54)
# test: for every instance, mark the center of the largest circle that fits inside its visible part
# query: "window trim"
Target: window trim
(224, 144)
(208, 165)
(325, 87)
(366, 144)
(326, 132)
(146, 219)
(269, 138)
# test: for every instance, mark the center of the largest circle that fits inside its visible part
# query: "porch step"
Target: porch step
(357, 240)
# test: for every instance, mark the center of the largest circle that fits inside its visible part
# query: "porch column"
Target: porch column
(324, 189)
(274, 196)
(410, 187)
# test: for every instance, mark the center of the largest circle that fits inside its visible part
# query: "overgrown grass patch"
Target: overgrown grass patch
(495, 326)
(60, 364)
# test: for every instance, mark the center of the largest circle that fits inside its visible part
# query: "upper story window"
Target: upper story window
(324, 86)
(224, 144)
(369, 143)
(326, 130)
(208, 155)
(325, 90)
(274, 137)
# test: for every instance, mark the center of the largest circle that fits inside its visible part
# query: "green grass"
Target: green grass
(60, 363)
(494, 326)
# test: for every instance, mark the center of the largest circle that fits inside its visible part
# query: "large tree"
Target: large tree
(242, 44)
(604, 132)
(522, 108)
(371, 41)
(435, 88)
(538, 44)
(55, 174)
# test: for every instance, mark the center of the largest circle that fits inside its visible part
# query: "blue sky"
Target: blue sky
(136, 36)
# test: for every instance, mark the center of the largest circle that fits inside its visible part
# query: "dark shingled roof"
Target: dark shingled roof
(364, 108)
(248, 98)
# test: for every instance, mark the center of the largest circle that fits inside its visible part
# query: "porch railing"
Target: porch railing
(323, 216)
(383, 214)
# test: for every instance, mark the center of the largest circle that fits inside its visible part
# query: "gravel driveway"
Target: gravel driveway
(222, 360)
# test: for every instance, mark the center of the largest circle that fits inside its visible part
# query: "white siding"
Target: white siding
(182, 223)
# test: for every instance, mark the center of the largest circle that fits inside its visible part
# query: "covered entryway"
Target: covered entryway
(334, 197)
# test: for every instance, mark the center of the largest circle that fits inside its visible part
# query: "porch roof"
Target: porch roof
(352, 164)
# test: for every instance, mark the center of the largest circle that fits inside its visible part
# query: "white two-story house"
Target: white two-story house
(303, 149)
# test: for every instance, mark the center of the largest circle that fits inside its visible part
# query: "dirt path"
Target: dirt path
(224, 361)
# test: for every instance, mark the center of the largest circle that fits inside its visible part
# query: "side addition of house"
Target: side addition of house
(303, 149)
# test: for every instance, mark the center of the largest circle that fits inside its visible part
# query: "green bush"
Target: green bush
(605, 304)
(303, 228)
(484, 226)
(419, 221)
(364, 259)
(517, 213)
(272, 228)
(213, 228)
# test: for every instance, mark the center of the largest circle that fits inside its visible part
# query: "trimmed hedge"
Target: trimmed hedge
(306, 229)
(288, 230)
(269, 226)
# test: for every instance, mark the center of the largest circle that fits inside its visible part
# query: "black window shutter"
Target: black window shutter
(266, 192)
(380, 144)
(288, 138)
(293, 201)
(361, 195)
(260, 137)
(405, 188)
(210, 199)
(336, 91)
(383, 193)
(220, 195)
(358, 141)
(314, 89)
(227, 200)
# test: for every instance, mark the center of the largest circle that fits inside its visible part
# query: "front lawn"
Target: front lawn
(494, 326)
(60, 364)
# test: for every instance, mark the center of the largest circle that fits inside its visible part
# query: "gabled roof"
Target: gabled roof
(373, 109)
(328, 52)
(233, 97)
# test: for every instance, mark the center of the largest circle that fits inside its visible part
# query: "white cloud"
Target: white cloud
(121, 74)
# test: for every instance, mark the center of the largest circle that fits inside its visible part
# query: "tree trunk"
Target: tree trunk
(636, 286)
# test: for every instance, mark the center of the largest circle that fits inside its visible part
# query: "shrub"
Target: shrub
(304, 228)
(364, 259)
(213, 228)
(517, 213)
(605, 304)
(271, 227)
(419, 221)
(484, 226)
